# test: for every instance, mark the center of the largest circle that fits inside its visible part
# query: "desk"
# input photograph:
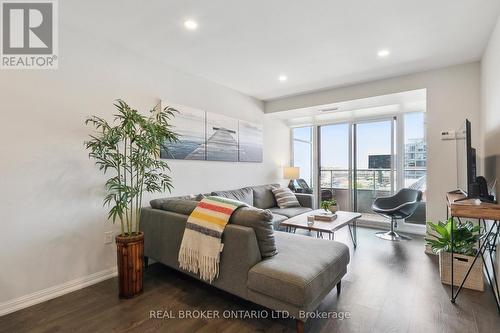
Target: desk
(487, 242)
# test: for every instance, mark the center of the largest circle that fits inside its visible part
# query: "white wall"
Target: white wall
(52, 219)
(490, 104)
(490, 110)
(452, 96)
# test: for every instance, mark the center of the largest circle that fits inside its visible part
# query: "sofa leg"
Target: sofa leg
(300, 326)
(146, 262)
(339, 287)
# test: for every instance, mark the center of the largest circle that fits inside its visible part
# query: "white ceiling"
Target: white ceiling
(247, 44)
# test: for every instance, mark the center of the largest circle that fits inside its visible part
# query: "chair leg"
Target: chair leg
(392, 235)
(339, 287)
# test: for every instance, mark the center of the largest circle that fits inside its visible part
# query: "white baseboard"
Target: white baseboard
(55, 291)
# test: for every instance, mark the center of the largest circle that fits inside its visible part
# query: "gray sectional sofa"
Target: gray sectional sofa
(278, 270)
(262, 197)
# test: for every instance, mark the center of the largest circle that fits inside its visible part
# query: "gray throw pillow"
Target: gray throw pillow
(179, 206)
(285, 197)
(261, 222)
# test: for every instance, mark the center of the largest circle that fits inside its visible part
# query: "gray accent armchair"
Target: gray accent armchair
(399, 206)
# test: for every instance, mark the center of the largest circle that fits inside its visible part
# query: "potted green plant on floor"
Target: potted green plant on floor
(128, 150)
(329, 206)
(465, 241)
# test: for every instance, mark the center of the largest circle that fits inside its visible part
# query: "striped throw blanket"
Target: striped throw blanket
(202, 241)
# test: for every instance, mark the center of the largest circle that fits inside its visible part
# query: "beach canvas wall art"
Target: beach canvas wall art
(214, 137)
(250, 142)
(190, 125)
(222, 138)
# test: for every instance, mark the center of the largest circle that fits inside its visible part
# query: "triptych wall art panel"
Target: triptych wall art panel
(213, 137)
(251, 141)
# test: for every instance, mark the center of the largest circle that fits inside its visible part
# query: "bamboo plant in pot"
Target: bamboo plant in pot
(465, 241)
(128, 150)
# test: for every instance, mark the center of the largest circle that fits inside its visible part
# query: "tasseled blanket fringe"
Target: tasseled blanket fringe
(207, 267)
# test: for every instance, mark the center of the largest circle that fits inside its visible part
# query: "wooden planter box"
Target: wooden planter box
(461, 264)
(130, 254)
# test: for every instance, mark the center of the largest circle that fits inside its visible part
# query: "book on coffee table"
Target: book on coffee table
(325, 217)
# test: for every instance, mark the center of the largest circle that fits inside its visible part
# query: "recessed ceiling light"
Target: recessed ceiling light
(383, 53)
(283, 78)
(191, 24)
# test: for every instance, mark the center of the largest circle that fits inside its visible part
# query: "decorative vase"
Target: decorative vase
(461, 264)
(130, 253)
(333, 208)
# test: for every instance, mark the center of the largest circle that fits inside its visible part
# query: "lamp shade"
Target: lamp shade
(291, 173)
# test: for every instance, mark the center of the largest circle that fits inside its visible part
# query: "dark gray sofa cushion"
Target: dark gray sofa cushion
(157, 203)
(261, 222)
(305, 200)
(180, 206)
(244, 194)
(277, 219)
(263, 196)
(300, 271)
(290, 212)
(201, 196)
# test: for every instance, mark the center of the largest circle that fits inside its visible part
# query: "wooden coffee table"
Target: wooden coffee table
(343, 219)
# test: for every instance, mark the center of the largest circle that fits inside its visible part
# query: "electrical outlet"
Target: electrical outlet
(108, 237)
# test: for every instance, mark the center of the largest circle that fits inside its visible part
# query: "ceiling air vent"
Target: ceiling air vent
(329, 109)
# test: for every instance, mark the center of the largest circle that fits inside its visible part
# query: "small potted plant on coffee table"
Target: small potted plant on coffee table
(329, 206)
(465, 239)
(128, 150)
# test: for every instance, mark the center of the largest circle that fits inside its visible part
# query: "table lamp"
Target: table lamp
(291, 173)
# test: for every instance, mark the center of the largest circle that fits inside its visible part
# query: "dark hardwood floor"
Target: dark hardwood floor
(390, 287)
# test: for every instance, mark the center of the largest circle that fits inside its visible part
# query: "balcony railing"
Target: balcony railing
(371, 183)
(370, 179)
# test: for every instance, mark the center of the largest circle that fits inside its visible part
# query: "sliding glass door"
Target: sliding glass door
(357, 163)
(373, 162)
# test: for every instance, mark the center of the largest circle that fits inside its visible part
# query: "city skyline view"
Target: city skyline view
(373, 139)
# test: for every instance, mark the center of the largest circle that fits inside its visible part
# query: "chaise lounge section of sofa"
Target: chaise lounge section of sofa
(295, 279)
